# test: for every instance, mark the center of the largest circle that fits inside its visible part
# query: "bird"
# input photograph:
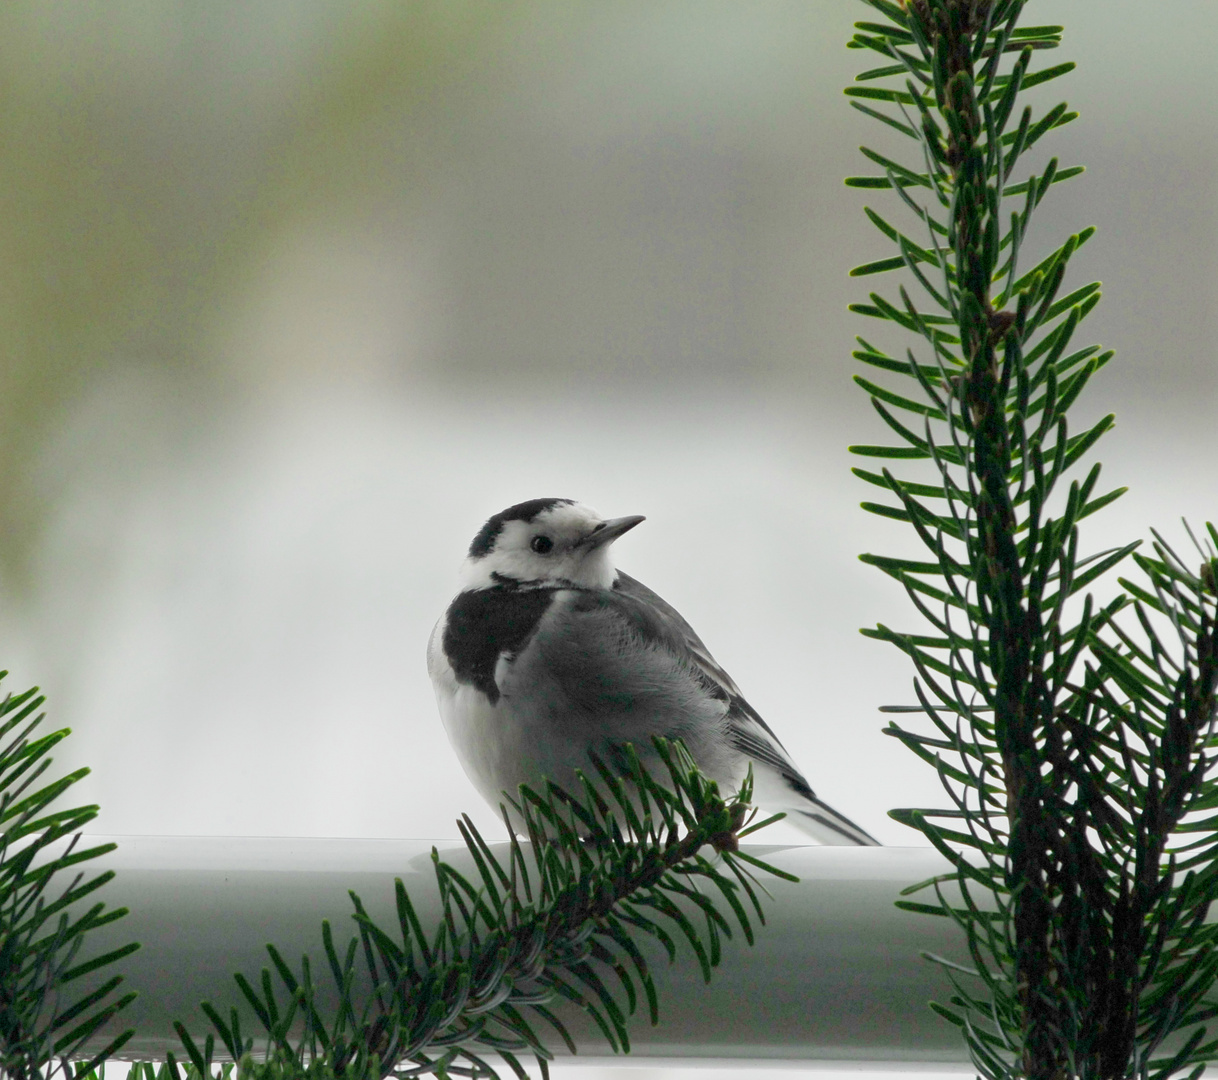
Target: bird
(548, 652)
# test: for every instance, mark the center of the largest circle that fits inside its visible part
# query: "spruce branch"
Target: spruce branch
(561, 917)
(45, 1016)
(1073, 737)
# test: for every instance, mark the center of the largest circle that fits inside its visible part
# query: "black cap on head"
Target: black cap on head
(525, 511)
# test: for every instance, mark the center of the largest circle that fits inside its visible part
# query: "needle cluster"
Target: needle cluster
(558, 918)
(51, 1002)
(1074, 737)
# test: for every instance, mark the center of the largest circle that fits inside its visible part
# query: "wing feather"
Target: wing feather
(749, 733)
(606, 663)
(743, 719)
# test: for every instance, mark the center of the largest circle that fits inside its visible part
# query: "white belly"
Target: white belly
(495, 744)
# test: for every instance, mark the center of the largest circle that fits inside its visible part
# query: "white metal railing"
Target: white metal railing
(835, 975)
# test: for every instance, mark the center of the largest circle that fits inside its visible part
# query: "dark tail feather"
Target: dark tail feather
(828, 826)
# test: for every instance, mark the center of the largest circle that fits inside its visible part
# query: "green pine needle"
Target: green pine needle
(1075, 743)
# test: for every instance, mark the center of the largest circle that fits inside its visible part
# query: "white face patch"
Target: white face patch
(547, 549)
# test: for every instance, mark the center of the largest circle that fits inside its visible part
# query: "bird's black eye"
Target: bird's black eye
(543, 545)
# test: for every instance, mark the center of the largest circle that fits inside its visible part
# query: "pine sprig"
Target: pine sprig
(1073, 737)
(560, 918)
(49, 1005)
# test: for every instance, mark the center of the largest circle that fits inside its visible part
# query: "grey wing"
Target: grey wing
(632, 587)
(749, 732)
(605, 669)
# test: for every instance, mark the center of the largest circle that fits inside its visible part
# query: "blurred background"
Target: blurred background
(295, 295)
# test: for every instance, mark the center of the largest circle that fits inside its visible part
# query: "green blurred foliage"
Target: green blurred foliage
(148, 155)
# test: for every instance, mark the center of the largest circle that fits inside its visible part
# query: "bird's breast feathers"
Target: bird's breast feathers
(482, 627)
(524, 676)
(588, 639)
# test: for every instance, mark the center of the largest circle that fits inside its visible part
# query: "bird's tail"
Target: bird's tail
(779, 785)
(821, 821)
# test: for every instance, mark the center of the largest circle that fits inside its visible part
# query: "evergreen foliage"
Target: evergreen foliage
(620, 861)
(45, 1016)
(562, 919)
(1074, 737)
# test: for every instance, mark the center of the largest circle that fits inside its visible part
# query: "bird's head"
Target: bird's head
(554, 541)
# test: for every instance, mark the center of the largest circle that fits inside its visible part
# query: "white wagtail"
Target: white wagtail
(548, 652)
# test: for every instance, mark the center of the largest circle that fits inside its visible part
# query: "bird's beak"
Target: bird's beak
(609, 531)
